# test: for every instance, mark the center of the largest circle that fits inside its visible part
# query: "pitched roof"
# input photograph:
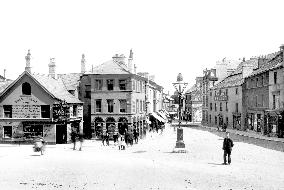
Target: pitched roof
(251, 62)
(111, 67)
(230, 81)
(70, 80)
(4, 85)
(54, 87)
(275, 62)
(57, 88)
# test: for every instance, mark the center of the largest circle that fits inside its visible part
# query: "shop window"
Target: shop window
(31, 131)
(26, 89)
(110, 84)
(7, 131)
(7, 111)
(122, 108)
(98, 106)
(45, 111)
(122, 84)
(110, 106)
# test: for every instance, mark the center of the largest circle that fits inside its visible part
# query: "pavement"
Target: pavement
(250, 134)
(150, 165)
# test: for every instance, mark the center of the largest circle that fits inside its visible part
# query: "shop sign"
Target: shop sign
(60, 111)
(26, 111)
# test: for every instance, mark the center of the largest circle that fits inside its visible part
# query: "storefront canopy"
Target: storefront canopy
(159, 118)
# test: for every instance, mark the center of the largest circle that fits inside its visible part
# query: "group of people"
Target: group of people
(128, 137)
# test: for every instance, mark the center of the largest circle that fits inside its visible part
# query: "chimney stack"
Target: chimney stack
(282, 47)
(52, 68)
(28, 62)
(130, 59)
(83, 64)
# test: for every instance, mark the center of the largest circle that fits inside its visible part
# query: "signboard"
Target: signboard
(26, 111)
(60, 111)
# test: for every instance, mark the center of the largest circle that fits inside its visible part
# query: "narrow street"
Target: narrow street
(150, 164)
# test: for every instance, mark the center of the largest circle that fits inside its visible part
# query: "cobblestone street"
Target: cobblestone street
(147, 165)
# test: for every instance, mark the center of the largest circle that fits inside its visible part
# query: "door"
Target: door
(61, 134)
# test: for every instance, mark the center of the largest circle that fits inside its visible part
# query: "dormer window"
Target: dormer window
(26, 89)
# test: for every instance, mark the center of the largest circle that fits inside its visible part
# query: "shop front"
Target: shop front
(275, 122)
(237, 118)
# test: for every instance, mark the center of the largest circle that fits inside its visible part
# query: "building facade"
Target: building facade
(38, 105)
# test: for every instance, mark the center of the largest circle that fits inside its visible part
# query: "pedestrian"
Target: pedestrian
(135, 134)
(126, 137)
(73, 138)
(227, 147)
(81, 139)
(107, 138)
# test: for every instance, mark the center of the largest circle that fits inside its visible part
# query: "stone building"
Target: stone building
(38, 105)
(117, 96)
(193, 101)
(257, 94)
(225, 98)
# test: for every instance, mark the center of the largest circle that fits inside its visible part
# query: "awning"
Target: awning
(159, 118)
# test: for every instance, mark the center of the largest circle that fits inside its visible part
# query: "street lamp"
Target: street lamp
(180, 87)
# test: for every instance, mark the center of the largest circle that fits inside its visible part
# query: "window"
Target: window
(226, 92)
(122, 108)
(133, 85)
(122, 84)
(237, 91)
(255, 101)
(33, 130)
(98, 106)
(7, 111)
(256, 83)
(226, 106)
(74, 110)
(221, 107)
(275, 77)
(87, 94)
(211, 106)
(210, 119)
(215, 107)
(274, 101)
(45, 111)
(110, 106)
(144, 105)
(141, 84)
(137, 106)
(215, 120)
(98, 84)
(227, 121)
(141, 106)
(237, 107)
(210, 93)
(110, 84)
(26, 89)
(7, 132)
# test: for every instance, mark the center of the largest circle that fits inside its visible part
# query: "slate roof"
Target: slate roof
(230, 81)
(55, 87)
(4, 85)
(111, 67)
(270, 65)
(251, 62)
(70, 80)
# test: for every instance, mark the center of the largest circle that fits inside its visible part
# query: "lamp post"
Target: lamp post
(180, 87)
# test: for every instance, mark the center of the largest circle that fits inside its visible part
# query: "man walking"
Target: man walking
(227, 147)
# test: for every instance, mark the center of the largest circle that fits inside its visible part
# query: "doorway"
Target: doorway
(61, 134)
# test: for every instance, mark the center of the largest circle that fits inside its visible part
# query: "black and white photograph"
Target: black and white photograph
(142, 95)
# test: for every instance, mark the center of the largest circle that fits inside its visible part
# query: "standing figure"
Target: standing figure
(135, 134)
(227, 147)
(107, 138)
(73, 138)
(81, 139)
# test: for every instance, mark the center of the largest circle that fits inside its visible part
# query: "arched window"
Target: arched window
(26, 88)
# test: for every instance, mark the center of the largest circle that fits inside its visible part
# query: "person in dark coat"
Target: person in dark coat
(135, 134)
(73, 138)
(227, 147)
(81, 139)
(107, 138)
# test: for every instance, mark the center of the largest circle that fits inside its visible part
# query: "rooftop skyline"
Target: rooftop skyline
(167, 37)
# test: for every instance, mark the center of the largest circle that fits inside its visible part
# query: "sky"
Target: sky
(167, 37)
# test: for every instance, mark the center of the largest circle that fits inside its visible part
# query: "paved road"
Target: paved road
(147, 165)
